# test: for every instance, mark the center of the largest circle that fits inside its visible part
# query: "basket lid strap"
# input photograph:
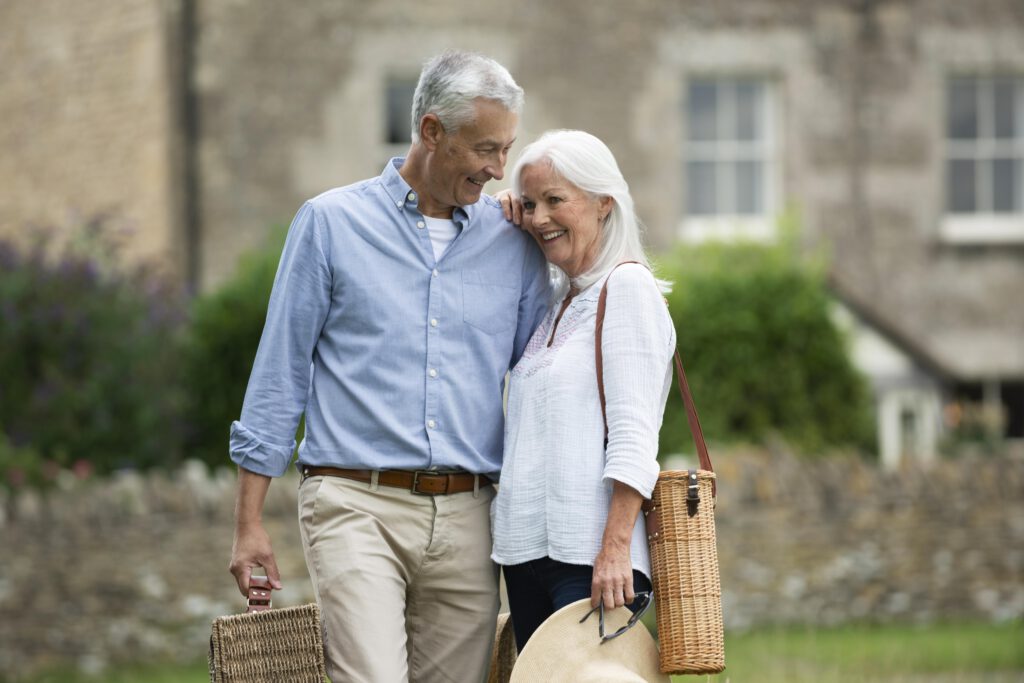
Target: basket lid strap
(684, 387)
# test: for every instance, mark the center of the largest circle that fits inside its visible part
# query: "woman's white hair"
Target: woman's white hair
(586, 162)
(451, 81)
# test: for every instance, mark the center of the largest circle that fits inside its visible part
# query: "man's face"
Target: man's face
(465, 160)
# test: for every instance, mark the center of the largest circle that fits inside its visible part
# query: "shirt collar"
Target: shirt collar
(403, 196)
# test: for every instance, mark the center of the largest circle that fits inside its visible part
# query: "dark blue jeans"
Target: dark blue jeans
(539, 588)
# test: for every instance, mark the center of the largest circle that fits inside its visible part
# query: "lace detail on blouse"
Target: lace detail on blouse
(582, 312)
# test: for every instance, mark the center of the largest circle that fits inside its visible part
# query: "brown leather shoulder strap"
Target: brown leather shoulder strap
(684, 387)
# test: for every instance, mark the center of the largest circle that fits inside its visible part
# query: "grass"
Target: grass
(165, 673)
(966, 653)
(949, 653)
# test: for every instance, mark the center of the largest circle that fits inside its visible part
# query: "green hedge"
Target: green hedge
(88, 359)
(762, 354)
(224, 333)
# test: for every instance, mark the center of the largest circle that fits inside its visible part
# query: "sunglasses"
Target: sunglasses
(643, 596)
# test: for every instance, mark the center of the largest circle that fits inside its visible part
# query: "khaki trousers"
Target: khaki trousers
(405, 582)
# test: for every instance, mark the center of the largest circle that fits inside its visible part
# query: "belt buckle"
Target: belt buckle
(416, 483)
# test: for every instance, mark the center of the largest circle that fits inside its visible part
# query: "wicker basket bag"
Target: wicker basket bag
(680, 520)
(267, 645)
(684, 565)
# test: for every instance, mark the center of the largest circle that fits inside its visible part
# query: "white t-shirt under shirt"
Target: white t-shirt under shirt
(557, 476)
(442, 232)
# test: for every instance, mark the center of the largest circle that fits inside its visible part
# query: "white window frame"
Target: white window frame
(982, 227)
(760, 227)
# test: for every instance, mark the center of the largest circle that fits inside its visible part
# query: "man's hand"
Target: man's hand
(251, 549)
(512, 206)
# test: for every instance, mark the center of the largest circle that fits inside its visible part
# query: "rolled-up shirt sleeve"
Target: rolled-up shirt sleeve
(638, 339)
(263, 439)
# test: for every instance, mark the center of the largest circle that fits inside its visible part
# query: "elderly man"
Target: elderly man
(400, 302)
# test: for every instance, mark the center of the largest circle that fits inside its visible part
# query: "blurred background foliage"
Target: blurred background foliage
(224, 332)
(763, 356)
(88, 358)
(105, 367)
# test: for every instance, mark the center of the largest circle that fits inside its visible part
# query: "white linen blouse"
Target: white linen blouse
(557, 476)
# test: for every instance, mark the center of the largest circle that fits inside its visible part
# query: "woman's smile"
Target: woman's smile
(550, 235)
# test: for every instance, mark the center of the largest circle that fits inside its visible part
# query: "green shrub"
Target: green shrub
(762, 354)
(225, 330)
(20, 466)
(88, 355)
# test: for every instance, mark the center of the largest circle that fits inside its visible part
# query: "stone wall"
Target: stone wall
(135, 568)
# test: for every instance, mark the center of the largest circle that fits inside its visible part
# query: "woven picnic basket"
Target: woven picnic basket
(267, 645)
(680, 519)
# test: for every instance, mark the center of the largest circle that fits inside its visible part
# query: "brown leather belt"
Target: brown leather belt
(423, 482)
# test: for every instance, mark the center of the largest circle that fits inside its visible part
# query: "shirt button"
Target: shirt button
(435, 273)
(433, 372)
(419, 224)
(431, 424)
(412, 196)
(398, 203)
(433, 322)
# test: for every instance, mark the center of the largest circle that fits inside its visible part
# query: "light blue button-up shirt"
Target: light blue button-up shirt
(397, 359)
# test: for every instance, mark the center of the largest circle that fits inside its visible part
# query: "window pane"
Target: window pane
(962, 107)
(701, 187)
(399, 111)
(702, 109)
(961, 191)
(1003, 92)
(749, 193)
(1005, 184)
(749, 96)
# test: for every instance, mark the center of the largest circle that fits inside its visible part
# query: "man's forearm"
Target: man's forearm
(251, 546)
(252, 492)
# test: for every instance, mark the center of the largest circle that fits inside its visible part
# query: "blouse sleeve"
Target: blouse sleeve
(637, 343)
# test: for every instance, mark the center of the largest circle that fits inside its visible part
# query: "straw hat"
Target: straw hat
(564, 650)
(503, 655)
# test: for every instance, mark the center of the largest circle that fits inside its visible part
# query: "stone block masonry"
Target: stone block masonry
(134, 568)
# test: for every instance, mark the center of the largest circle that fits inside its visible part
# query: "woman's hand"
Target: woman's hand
(613, 568)
(613, 576)
(511, 205)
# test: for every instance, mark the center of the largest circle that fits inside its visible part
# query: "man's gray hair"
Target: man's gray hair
(451, 81)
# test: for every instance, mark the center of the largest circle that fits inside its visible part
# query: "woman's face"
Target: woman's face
(566, 221)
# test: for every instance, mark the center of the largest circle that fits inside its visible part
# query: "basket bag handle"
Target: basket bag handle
(259, 594)
(684, 387)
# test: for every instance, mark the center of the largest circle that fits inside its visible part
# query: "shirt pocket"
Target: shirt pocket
(489, 306)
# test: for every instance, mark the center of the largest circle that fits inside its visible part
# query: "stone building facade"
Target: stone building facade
(893, 130)
(90, 120)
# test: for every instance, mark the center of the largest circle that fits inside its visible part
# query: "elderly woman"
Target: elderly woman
(566, 522)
